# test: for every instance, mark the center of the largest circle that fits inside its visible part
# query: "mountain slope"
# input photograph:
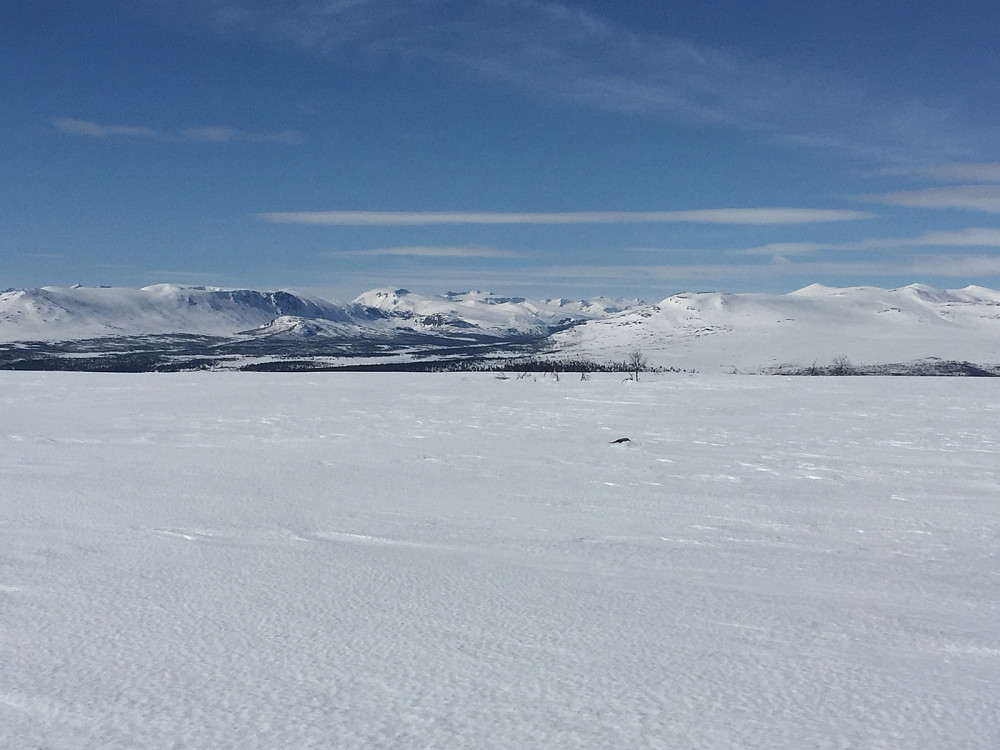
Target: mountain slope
(749, 332)
(700, 331)
(54, 313)
(486, 312)
(60, 314)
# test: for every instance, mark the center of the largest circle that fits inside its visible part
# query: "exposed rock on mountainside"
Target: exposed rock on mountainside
(168, 326)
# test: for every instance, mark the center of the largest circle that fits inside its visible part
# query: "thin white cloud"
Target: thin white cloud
(943, 266)
(33, 254)
(969, 197)
(226, 135)
(214, 134)
(656, 281)
(977, 172)
(971, 237)
(430, 251)
(749, 216)
(96, 130)
(951, 266)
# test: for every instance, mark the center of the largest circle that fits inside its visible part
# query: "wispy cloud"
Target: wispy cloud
(656, 281)
(430, 251)
(214, 134)
(225, 135)
(974, 172)
(96, 130)
(750, 216)
(940, 266)
(558, 51)
(956, 267)
(969, 197)
(972, 237)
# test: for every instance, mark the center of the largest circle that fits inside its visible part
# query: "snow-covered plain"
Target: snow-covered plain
(408, 561)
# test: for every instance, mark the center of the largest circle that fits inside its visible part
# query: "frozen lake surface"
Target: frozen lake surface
(409, 561)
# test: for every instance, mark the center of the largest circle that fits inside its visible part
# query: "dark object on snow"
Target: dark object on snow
(621, 440)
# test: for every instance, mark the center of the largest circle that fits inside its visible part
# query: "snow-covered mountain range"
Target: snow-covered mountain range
(703, 331)
(814, 325)
(54, 313)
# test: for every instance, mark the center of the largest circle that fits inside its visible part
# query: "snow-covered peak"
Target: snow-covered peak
(483, 310)
(295, 327)
(704, 331)
(712, 330)
(53, 313)
(814, 290)
(595, 306)
(383, 299)
(980, 292)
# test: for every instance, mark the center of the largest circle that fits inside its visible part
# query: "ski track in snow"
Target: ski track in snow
(411, 561)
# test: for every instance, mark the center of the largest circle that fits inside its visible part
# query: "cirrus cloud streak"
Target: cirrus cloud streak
(559, 51)
(971, 237)
(209, 134)
(968, 197)
(958, 172)
(430, 251)
(941, 266)
(750, 216)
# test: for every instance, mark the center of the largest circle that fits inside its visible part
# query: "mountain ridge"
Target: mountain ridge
(747, 332)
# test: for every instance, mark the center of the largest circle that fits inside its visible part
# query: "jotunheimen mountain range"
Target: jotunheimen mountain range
(177, 327)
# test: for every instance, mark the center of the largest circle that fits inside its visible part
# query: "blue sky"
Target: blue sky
(539, 148)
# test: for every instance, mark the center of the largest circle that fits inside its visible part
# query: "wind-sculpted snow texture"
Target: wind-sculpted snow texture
(411, 561)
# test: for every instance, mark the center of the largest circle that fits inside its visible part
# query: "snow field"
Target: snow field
(356, 560)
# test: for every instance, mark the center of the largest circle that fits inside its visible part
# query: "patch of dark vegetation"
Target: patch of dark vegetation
(547, 365)
(932, 367)
(136, 362)
(182, 352)
(114, 354)
(453, 361)
(426, 353)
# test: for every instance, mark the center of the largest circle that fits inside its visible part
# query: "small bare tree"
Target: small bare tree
(842, 366)
(636, 362)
